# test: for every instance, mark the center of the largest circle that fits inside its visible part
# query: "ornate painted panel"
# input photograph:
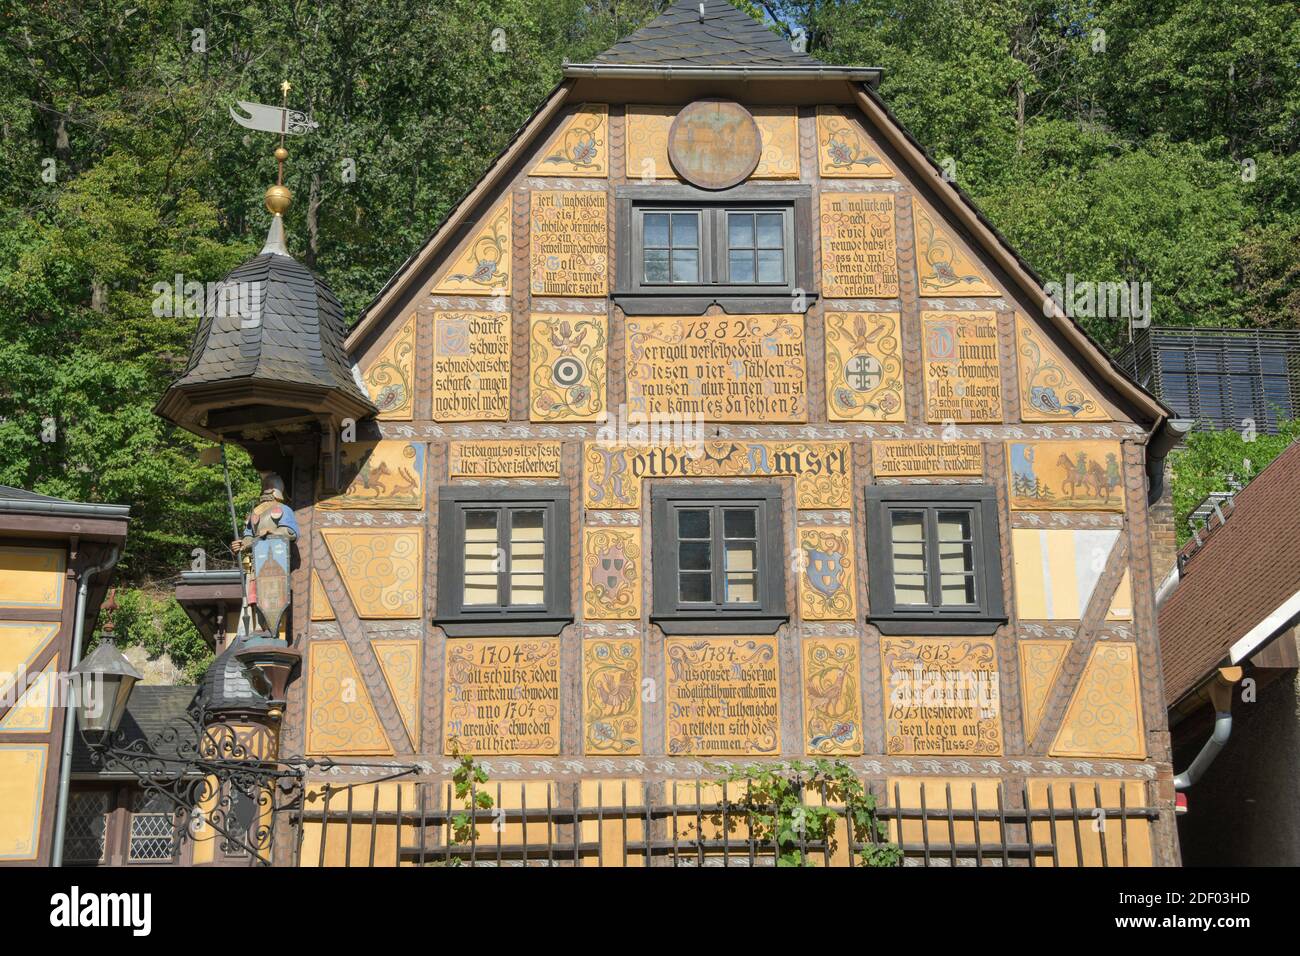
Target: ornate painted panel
(611, 575)
(822, 470)
(1040, 664)
(859, 253)
(1104, 718)
(321, 609)
(390, 378)
(844, 150)
(21, 643)
(647, 142)
(382, 569)
(864, 367)
(471, 366)
(1050, 390)
(942, 696)
(718, 368)
(723, 696)
(378, 474)
(611, 696)
(483, 266)
(1066, 476)
(827, 582)
(963, 370)
(569, 243)
(905, 458)
(832, 696)
(502, 696)
(33, 708)
(504, 459)
(341, 717)
(400, 662)
(567, 361)
(580, 147)
(943, 268)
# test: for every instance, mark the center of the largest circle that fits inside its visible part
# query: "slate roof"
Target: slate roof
(299, 338)
(1242, 572)
(226, 685)
(149, 709)
(726, 37)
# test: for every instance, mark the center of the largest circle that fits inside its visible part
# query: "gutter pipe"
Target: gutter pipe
(70, 718)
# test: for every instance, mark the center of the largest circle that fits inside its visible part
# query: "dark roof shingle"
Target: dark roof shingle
(150, 709)
(723, 36)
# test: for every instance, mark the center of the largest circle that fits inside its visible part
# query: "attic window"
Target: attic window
(683, 249)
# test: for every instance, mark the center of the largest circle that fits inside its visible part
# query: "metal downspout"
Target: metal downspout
(1220, 694)
(69, 720)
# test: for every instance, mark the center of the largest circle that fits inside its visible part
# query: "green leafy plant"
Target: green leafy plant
(774, 805)
(466, 780)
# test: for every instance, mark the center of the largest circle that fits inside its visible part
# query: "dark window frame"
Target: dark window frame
(635, 296)
(543, 620)
(982, 618)
(675, 616)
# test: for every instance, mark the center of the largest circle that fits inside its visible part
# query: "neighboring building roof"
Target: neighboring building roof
(149, 710)
(298, 338)
(1244, 570)
(721, 36)
(21, 501)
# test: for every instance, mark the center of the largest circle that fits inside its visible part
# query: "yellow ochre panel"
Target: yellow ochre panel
(22, 790)
(390, 378)
(33, 712)
(340, 716)
(382, 569)
(32, 577)
(1105, 715)
(400, 662)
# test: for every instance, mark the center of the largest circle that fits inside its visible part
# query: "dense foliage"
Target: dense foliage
(1134, 140)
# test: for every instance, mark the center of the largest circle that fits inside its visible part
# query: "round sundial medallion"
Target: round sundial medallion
(714, 144)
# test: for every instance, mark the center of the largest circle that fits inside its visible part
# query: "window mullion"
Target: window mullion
(934, 587)
(719, 560)
(503, 556)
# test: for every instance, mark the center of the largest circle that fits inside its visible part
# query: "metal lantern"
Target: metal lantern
(105, 681)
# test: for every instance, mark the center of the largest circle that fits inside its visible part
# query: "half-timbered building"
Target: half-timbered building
(714, 426)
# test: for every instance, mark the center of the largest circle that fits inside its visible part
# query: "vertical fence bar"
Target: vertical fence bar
(623, 788)
(1096, 796)
(498, 822)
(828, 833)
(550, 828)
(347, 839)
(952, 826)
(473, 823)
(600, 823)
(1123, 821)
(675, 859)
(324, 825)
(803, 827)
(749, 825)
(374, 825)
(574, 817)
(397, 841)
(1051, 816)
(450, 832)
(699, 825)
(424, 818)
(1029, 824)
(979, 844)
(898, 815)
(1078, 836)
(523, 822)
(726, 827)
(925, 824)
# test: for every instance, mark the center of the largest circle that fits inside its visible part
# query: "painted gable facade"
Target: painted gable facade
(925, 548)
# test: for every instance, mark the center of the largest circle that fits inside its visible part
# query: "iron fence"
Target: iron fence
(637, 823)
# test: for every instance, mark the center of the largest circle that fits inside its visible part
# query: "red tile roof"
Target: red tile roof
(1241, 574)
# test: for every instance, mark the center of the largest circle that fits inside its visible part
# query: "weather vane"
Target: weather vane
(276, 119)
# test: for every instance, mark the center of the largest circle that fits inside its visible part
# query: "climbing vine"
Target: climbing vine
(774, 803)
